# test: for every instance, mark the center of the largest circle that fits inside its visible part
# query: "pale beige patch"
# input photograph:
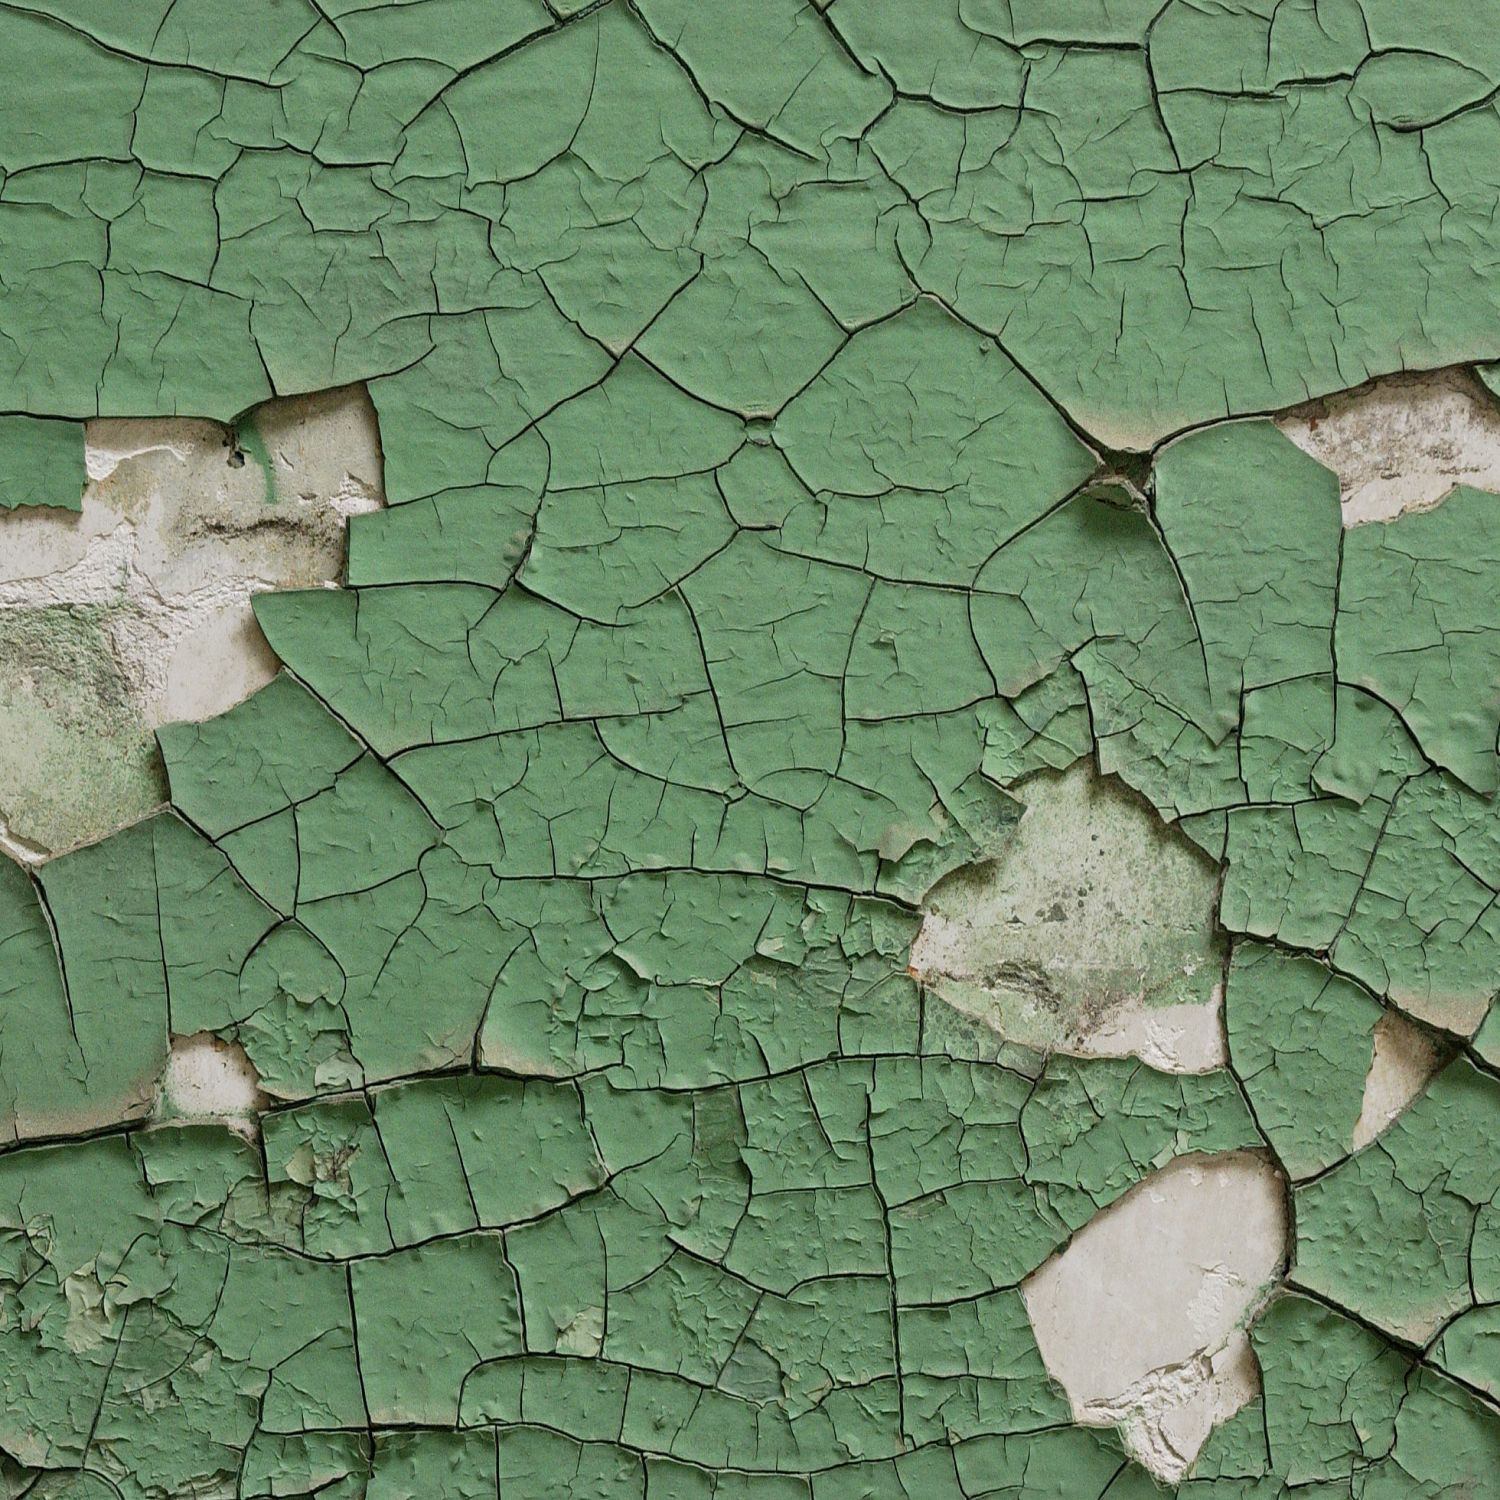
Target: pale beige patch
(1405, 1061)
(1092, 933)
(1402, 443)
(209, 1079)
(1141, 1318)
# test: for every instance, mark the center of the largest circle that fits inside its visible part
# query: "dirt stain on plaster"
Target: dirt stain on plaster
(135, 611)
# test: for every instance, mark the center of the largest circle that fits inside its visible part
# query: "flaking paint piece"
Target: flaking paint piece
(42, 462)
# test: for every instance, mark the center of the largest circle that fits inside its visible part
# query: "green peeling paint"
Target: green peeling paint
(809, 431)
(41, 462)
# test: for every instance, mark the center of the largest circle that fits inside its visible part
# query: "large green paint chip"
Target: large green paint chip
(41, 462)
(869, 884)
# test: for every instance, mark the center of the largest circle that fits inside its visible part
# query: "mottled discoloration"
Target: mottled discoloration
(1092, 932)
(136, 611)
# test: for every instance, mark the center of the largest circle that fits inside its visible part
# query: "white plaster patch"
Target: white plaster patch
(110, 441)
(1141, 1317)
(209, 1079)
(1092, 933)
(1171, 1038)
(135, 612)
(1405, 1060)
(1401, 443)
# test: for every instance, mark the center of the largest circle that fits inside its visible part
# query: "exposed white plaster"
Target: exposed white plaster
(109, 442)
(1092, 933)
(209, 1079)
(1403, 442)
(136, 611)
(1405, 1060)
(1173, 1038)
(1141, 1317)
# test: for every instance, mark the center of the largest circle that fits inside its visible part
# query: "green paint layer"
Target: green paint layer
(809, 430)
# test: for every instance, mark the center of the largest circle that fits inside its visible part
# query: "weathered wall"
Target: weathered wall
(877, 876)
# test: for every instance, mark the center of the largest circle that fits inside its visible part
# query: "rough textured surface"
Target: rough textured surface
(803, 427)
(1401, 443)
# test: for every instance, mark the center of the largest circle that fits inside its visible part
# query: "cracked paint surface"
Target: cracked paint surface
(830, 469)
